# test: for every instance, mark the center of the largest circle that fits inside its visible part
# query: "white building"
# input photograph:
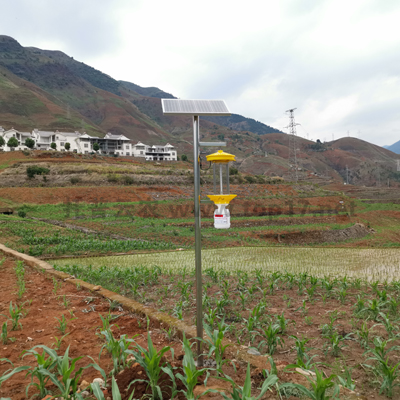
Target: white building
(83, 144)
(156, 153)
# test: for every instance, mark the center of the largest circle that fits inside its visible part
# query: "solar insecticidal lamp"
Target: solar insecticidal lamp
(195, 109)
(221, 197)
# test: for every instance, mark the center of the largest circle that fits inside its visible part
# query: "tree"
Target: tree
(2, 141)
(53, 146)
(12, 142)
(67, 146)
(96, 147)
(30, 143)
(184, 157)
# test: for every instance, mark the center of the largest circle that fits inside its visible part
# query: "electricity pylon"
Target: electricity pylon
(293, 167)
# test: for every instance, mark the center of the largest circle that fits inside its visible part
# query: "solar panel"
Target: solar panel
(194, 107)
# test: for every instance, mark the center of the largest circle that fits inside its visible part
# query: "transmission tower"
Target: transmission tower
(293, 168)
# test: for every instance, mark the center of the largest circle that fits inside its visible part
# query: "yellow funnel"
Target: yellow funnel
(220, 157)
(221, 198)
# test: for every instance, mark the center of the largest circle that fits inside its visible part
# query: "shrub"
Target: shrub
(35, 170)
(30, 143)
(128, 180)
(250, 179)
(12, 142)
(75, 179)
(96, 147)
(53, 146)
(113, 178)
(67, 146)
(184, 157)
(2, 141)
(21, 214)
(233, 171)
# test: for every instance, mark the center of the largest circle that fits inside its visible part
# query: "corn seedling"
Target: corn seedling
(117, 349)
(319, 386)
(4, 334)
(43, 364)
(308, 320)
(56, 285)
(116, 394)
(272, 340)
(57, 343)
(66, 302)
(170, 333)
(244, 393)
(389, 326)
(15, 314)
(346, 380)
(62, 371)
(335, 342)
(62, 324)
(191, 374)
(151, 361)
(215, 346)
(283, 323)
(383, 369)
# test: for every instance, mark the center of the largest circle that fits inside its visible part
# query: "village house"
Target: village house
(82, 143)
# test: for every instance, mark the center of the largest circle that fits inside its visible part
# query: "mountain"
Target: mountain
(240, 123)
(148, 92)
(395, 147)
(50, 90)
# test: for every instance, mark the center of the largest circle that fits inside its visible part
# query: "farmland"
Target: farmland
(306, 277)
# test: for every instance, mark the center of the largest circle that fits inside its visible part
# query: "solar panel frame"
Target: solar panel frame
(195, 107)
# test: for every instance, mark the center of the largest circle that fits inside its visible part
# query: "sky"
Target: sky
(335, 61)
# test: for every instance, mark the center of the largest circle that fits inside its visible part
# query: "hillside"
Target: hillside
(51, 90)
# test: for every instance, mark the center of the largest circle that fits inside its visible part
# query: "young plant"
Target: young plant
(62, 372)
(215, 345)
(335, 342)
(363, 335)
(15, 314)
(151, 361)
(191, 374)
(346, 381)
(389, 326)
(319, 386)
(303, 360)
(385, 372)
(116, 394)
(272, 340)
(58, 341)
(283, 323)
(4, 334)
(244, 393)
(117, 349)
(62, 324)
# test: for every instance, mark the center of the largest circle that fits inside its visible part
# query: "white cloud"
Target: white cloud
(335, 60)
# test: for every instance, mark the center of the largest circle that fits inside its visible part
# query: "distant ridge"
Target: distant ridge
(395, 147)
(149, 91)
(240, 123)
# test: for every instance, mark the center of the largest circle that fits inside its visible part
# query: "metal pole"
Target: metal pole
(227, 179)
(197, 235)
(221, 191)
(214, 179)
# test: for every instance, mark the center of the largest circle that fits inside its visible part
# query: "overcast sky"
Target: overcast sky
(337, 61)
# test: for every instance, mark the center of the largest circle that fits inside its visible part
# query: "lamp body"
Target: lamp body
(221, 196)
